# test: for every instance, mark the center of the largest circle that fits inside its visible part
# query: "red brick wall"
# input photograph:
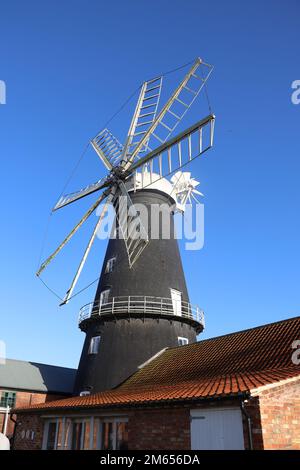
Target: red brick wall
(280, 416)
(159, 429)
(275, 416)
(253, 410)
(147, 429)
(28, 424)
(24, 399)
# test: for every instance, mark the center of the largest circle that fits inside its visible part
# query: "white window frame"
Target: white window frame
(110, 265)
(84, 422)
(114, 422)
(182, 341)
(93, 420)
(176, 302)
(46, 432)
(94, 345)
(104, 296)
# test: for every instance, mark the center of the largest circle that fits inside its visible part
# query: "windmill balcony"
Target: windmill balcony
(144, 306)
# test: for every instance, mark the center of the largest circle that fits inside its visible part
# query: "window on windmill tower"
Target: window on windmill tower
(104, 296)
(176, 301)
(110, 265)
(94, 345)
(182, 341)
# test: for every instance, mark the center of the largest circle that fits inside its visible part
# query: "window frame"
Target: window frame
(93, 421)
(105, 302)
(176, 303)
(185, 340)
(94, 344)
(9, 400)
(110, 265)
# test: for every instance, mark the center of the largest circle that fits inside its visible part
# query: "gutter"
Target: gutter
(133, 404)
(249, 423)
(14, 433)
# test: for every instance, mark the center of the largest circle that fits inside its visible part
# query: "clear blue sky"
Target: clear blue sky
(68, 65)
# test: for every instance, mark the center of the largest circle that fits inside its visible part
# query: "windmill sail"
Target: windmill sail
(144, 115)
(70, 235)
(129, 222)
(69, 198)
(87, 250)
(177, 152)
(108, 148)
(173, 111)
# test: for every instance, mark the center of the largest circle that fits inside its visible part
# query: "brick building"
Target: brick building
(29, 383)
(237, 391)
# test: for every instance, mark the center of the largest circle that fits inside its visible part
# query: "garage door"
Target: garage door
(217, 429)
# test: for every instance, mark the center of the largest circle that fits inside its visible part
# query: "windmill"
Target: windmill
(131, 281)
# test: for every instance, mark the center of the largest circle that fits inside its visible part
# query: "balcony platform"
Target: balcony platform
(142, 306)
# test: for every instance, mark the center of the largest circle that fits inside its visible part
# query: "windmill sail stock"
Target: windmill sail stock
(146, 149)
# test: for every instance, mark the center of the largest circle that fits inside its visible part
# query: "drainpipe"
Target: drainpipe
(7, 410)
(249, 423)
(12, 443)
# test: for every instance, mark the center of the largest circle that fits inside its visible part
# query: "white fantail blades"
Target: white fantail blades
(184, 189)
(195, 191)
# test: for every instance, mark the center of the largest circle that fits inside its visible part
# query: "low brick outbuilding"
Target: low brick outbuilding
(237, 391)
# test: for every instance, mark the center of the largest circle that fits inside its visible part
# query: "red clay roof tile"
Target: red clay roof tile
(222, 366)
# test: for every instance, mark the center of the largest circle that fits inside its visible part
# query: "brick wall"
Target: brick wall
(148, 429)
(280, 416)
(274, 412)
(29, 432)
(252, 407)
(159, 429)
(24, 399)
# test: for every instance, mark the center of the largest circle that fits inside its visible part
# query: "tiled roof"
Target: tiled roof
(217, 367)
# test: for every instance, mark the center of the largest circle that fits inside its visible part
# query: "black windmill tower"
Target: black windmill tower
(141, 304)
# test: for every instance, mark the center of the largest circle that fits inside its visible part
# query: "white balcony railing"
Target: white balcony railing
(143, 305)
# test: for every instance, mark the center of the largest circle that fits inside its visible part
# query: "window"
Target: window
(110, 265)
(122, 436)
(94, 345)
(8, 399)
(104, 296)
(114, 434)
(107, 436)
(182, 341)
(176, 301)
(51, 435)
(80, 434)
(89, 432)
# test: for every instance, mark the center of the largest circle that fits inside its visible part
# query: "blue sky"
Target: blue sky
(68, 66)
